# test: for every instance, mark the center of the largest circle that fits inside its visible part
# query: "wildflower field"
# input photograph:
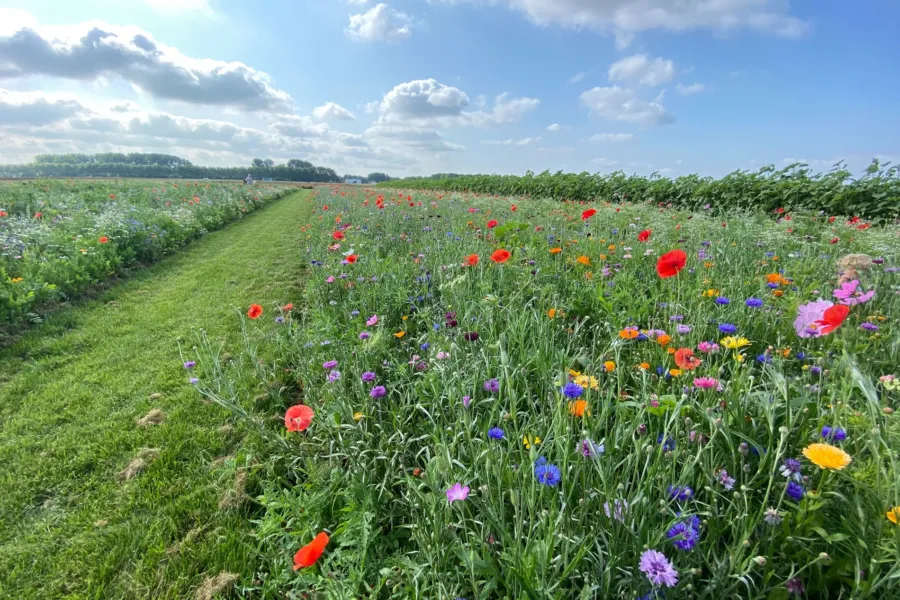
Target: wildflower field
(491, 397)
(59, 237)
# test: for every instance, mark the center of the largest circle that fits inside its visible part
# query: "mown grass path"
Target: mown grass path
(71, 524)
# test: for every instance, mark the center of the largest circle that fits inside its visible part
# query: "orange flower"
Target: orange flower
(774, 278)
(583, 260)
(298, 417)
(628, 334)
(471, 260)
(609, 366)
(500, 256)
(578, 408)
(664, 340)
(255, 311)
(644, 366)
(310, 553)
(827, 456)
(555, 250)
(893, 514)
(778, 293)
(399, 334)
(684, 358)
(551, 313)
(103, 239)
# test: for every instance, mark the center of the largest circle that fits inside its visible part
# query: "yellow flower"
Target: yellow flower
(733, 343)
(710, 293)
(16, 279)
(610, 366)
(612, 247)
(404, 318)
(574, 373)
(893, 515)
(586, 381)
(527, 442)
(826, 456)
(357, 416)
(674, 372)
(399, 334)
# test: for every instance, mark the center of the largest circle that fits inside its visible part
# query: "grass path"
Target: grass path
(71, 391)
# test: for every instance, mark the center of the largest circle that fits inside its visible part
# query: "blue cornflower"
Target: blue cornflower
(764, 359)
(790, 468)
(492, 386)
(495, 433)
(190, 364)
(795, 491)
(835, 433)
(436, 326)
(722, 300)
(425, 346)
(772, 286)
(753, 302)
(815, 370)
(686, 533)
(681, 493)
(728, 328)
(801, 355)
(279, 319)
(668, 445)
(572, 390)
(546, 473)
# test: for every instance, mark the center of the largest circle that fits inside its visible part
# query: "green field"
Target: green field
(74, 522)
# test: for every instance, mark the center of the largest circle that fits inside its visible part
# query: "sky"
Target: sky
(410, 87)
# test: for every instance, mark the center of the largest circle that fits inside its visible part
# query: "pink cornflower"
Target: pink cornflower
(708, 347)
(706, 383)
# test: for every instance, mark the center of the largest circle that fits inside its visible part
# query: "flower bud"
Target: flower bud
(760, 560)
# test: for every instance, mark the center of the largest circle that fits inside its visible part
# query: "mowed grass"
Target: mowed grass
(73, 523)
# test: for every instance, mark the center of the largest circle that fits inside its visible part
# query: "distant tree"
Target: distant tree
(378, 177)
(268, 163)
(258, 162)
(354, 177)
(296, 163)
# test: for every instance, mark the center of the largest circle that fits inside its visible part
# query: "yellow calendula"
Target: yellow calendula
(528, 442)
(733, 343)
(710, 293)
(587, 381)
(399, 334)
(357, 416)
(16, 279)
(826, 456)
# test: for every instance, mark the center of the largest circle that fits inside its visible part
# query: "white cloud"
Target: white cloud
(90, 51)
(331, 111)
(626, 17)
(522, 142)
(554, 127)
(179, 6)
(606, 163)
(576, 77)
(409, 139)
(619, 104)
(297, 126)
(687, 90)
(611, 137)
(379, 24)
(36, 108)
(642, 70)
(506, 110)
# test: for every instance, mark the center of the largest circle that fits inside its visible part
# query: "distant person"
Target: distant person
(248, 180)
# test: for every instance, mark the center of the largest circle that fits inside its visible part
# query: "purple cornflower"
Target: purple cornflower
(728, 328)
(681, 493)
(495, 433)
(333, 375)
(190, 364)
(492, 386)
(795, 491)
(364, 335)
(472, 336)
(668, 445)
(753, 302)
(676, 318)
(279, 319)
(329, 364)
(722, 301)
(794, 586)
(814, 370)
(547, 474)
(591, 449)
(620, 507)
(835, 433)
(869, 326)
(658, 569)
(378, 391)
(368, 376)
(572, 390)
(772, 517)
(194, 381)
(790, 468)
(466, 400)
(686, 533)
(726, 481)
(683, 329)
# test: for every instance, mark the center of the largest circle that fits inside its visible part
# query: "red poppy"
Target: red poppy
(831, 219)
(351, 258)
(833, 318)
(835, 240)
(492, 223)
(471, 260)
(644, 235)
(112, 196)
(325, 207)
(288, 307)
(500, 256)
(514, 208)
(685, 359)
(670, 263)
(298, 417)
(310, 553)
(588, 214)
(38, 215)
(103, 239)
(338, 235)
(255, 311)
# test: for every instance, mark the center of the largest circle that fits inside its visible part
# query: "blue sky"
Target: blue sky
(420, 86)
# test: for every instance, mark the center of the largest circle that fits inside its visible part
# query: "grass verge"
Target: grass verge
(115, 481)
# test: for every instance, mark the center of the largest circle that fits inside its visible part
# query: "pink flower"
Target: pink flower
(848, 295)
(457, 492)
(807, 316)
(708, 347)
(330, 279)
(373, 320)
(705, 383)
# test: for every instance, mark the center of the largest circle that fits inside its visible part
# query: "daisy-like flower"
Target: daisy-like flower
(733, 343)
(826, 456)
(658, 569)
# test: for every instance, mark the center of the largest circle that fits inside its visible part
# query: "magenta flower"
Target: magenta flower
(848, 295)
(373, 320)
(807, 316)
(457, 492)
(705, 383)
(658, 569)
(708, 347)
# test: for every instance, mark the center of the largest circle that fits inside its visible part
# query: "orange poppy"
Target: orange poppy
(255, 311)
(298, 417)
(500, 256)
(310, 553)
(684, 358)
(471, 260)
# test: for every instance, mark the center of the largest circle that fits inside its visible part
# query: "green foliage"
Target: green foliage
(875, 195)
